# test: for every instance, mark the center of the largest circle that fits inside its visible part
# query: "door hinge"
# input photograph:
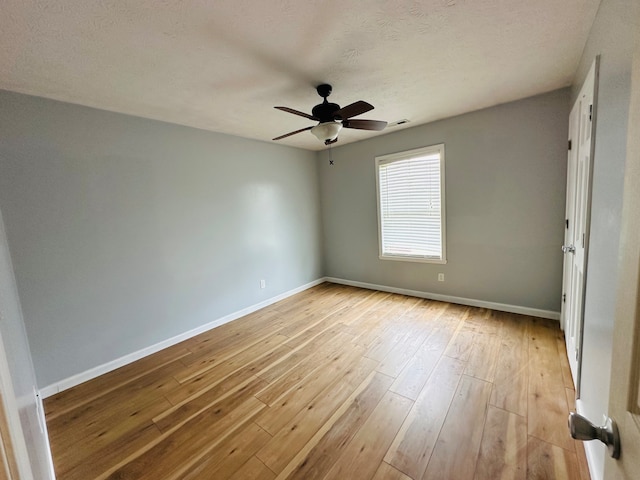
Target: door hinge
(583, 240)
(567, 223)
(590, 111)
(564, 298)
(569, 144)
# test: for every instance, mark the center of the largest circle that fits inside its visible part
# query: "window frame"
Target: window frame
(405, 155)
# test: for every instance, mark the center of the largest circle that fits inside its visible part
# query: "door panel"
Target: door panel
(572, 162)
(624, 396)
(577, 214)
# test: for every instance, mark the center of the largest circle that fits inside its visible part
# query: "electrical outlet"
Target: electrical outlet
(441, 277)
(263, 283)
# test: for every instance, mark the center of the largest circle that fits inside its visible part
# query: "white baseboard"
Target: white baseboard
(92, 373)
(534, 312)
(592, 450)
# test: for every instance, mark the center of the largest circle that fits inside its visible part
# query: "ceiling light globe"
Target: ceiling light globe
(327, 131)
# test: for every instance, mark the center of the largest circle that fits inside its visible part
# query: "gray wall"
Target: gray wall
(125, 231)
(611, 37)
(505, 196)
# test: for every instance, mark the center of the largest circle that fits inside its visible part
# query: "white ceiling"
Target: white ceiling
(222, 65)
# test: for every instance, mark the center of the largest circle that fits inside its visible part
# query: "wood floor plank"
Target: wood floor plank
(422, 321)
(236, 359)
(323, 450)
(379, 317)
(399, 355)
(325, 354)
(335, 382)
(456, 451)
(226, 375)
(80, 464)
(460, 345)
(101, 447)
(286, 443)
(511, 381)
(227, 458)
(319, 321)
(412, 447)
(91, 390)
(415, 374)
(483, 357)
(313, 328)
(254, 469)
(276, 416)
(393, 335)
(547, 407)
(453, 315)
(131, 403)
(387, 472)
(308, 297)
(331, 300)
(231, 335)
(503, 451)
(180, 449)
(263, 342)
(550, 462)
(281, 367)
(182, 413)
(480, 320)
(348, 316)
(361, 457)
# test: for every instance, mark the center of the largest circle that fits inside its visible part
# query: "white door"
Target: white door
(572, 161)
(581, 124)
(624, 396)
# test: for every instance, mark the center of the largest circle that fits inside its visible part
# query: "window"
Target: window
(411, 218)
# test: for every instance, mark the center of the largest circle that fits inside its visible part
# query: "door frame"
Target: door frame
(24, 437)
(15, 458)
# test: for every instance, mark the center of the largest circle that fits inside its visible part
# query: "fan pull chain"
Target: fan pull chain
(330, 156)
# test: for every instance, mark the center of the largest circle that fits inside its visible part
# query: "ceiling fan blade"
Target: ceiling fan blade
(292, 133)
(296, 112)
(356, 108)
(365, 124)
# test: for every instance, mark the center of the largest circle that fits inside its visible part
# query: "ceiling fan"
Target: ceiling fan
(332, 118)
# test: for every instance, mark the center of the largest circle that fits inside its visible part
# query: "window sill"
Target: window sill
(400, 258)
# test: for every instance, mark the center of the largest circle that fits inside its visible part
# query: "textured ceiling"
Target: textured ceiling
(222, 65)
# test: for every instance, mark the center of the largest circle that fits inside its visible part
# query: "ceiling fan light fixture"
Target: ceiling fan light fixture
(327, 131)
(332, 118)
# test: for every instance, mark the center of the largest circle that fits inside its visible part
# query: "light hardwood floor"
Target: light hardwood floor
(333, 383)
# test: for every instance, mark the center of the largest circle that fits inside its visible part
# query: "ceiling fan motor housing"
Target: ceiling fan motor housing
(325, 111)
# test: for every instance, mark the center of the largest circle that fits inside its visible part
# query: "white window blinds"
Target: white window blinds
(411, 205)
